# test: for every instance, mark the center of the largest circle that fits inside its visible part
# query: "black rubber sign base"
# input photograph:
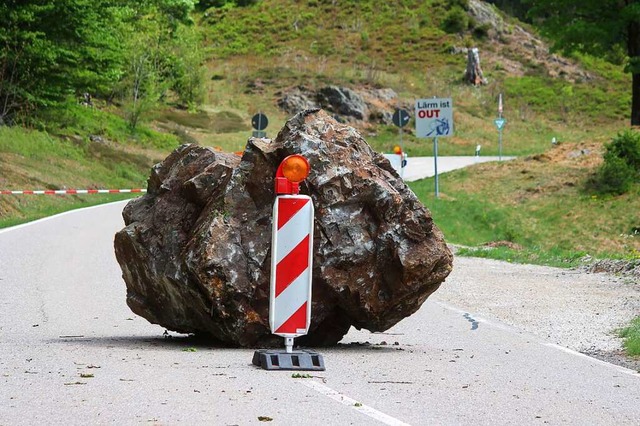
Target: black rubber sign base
(274, 359)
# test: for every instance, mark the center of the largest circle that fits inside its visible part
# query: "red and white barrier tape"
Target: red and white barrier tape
(72, 191)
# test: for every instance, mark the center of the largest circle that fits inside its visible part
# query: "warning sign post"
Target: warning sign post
(292, 244)
(291, 264)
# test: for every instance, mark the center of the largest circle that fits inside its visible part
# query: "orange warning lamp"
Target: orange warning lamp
(293, 170)
(397, 150)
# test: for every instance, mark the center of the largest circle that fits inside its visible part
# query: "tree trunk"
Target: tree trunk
(635, 100)
(473, 74)
(633, 48)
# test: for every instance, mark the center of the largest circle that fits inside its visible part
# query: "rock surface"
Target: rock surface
(195, 253)
(356, 106)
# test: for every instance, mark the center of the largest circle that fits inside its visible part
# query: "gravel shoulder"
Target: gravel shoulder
(569, 307)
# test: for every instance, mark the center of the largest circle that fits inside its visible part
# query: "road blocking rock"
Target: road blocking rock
(195, 252)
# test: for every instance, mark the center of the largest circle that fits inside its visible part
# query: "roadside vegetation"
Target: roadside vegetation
(542, 207)
(631, 336)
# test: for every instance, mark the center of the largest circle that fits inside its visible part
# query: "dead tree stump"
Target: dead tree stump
(473, 74)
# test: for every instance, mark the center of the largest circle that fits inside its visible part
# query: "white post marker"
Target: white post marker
(291, 264)
(500, 122)
(434, 119)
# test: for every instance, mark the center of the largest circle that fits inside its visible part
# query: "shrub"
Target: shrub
(613, 177)
(621, 167)
(481, 31)
(205, 4)
(626, 146)
(463, 4)
(631, 336)
(455, 21)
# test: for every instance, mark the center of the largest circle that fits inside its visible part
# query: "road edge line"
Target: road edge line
(531, 336)
(44, 219)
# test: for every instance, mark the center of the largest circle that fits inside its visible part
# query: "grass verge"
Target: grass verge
(554, 257)
(537, 203)
(35, 160)
(49, 205)
(631, 336)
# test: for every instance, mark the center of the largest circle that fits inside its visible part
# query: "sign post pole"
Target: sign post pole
(500, 127)
(500, 122)
(435, 166)
(500, 145)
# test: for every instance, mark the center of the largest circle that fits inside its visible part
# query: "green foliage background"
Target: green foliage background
(53, 51)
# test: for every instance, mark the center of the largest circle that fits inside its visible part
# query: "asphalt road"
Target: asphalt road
(422, 167)
(71, 352)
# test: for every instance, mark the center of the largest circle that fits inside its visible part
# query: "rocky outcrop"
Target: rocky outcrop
(342, 101)
(515, 50)
(356, 106)
(297, 99)
(195, 252)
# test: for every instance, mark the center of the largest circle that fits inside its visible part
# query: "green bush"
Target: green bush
(481, 31)
(463, 4)
(621, 167)
(455, 21)
(627, 147)
(613, 177)
(205, 4)
(631, 336)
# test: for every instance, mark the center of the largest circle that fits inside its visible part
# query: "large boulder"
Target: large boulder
(195, 252)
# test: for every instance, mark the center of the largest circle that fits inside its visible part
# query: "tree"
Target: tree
(163, 55)
(609, 28)
(50, 49)
(187, 58)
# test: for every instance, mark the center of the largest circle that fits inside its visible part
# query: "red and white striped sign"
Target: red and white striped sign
(71, 191)
(291, 259)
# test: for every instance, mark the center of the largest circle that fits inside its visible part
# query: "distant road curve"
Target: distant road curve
(423, 167)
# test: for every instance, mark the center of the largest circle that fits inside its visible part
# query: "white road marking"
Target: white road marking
(350, 402)
(44, 219)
